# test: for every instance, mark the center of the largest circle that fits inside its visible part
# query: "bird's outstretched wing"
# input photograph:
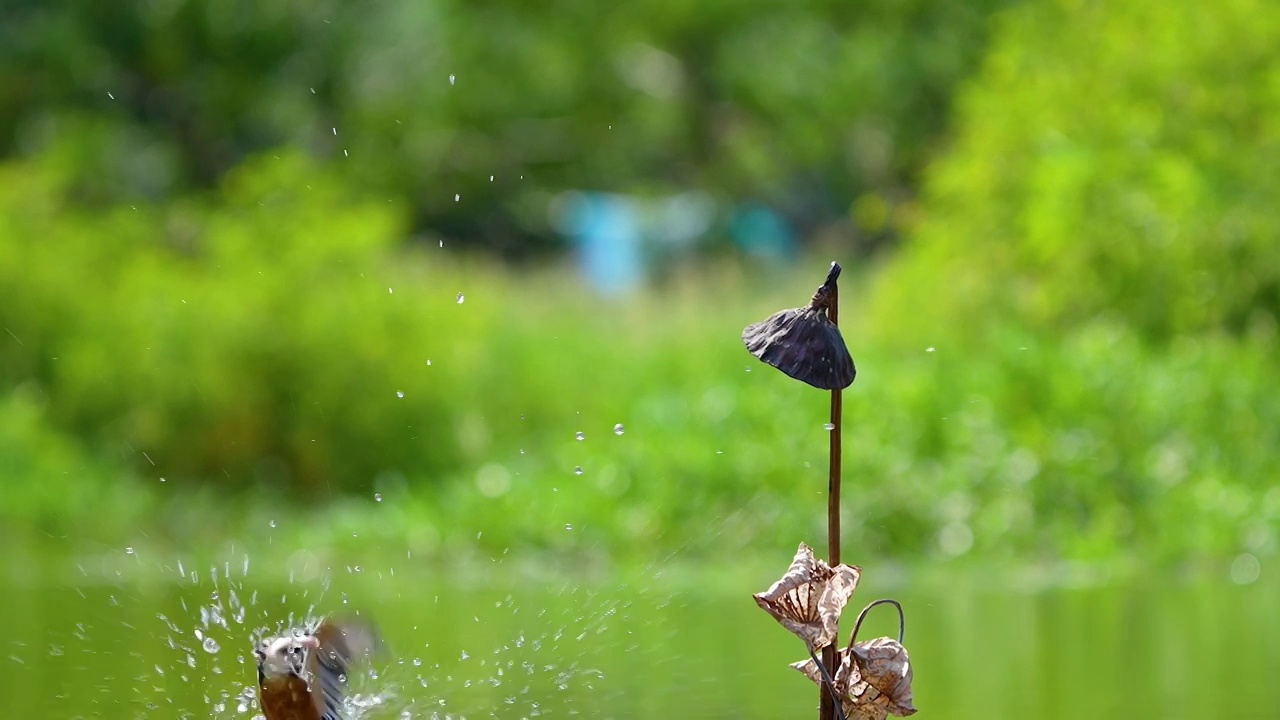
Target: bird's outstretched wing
(341, 642)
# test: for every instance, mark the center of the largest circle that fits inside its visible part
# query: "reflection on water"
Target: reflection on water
(90, 639)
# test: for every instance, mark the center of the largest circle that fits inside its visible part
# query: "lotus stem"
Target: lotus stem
(831, 684)
(829, 294)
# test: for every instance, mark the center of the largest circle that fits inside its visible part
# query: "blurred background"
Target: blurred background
(432, 309)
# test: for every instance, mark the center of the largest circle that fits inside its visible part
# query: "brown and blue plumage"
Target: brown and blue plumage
(302, 675)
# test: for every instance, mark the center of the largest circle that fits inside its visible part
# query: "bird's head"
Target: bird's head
(284, 655)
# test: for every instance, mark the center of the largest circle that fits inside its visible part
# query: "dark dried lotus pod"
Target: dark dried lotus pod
(804, 343)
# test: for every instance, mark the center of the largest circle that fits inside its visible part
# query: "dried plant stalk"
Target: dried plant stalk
(827, 703)
(806, 344)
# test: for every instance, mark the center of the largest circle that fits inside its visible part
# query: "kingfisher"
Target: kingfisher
(302, 674)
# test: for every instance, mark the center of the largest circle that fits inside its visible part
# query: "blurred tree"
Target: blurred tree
(479, 112)
(1112, 159)
(221, 335)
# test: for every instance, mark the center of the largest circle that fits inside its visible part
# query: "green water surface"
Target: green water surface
(113, 635)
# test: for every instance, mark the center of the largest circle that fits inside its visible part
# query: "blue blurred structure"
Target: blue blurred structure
(762, 232)
(618, 236)
(606, 229)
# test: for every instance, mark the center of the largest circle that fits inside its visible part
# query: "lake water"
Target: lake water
(114, 636)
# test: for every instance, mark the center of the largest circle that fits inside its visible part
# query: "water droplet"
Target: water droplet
(568, 526)
(390, 291)
(1245, 569)
(461, 298)
(428, 362)
(271, 523)
(377, 497)
(579, 436)
(399, 394)
(163, 480)
(929, 349)
(747, 369)
(829, 426)
(577, 470)
(617, 429)
(128, 551)
(451, 78)
(456, 197)
(210, 645)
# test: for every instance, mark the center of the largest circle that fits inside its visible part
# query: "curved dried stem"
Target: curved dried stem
(902, 619)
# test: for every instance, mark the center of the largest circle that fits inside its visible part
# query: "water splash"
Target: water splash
(199, 661)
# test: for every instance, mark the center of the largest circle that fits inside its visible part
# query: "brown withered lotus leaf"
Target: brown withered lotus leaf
(873, 679)
(852, 711)
(804, 343)
(884, 675)
(809, 598)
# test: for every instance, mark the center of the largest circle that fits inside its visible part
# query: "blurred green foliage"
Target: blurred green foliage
(51, 482)
(1072, 356)
(192, 331)
(1111, 160)
(805, 106)
(261, 336)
